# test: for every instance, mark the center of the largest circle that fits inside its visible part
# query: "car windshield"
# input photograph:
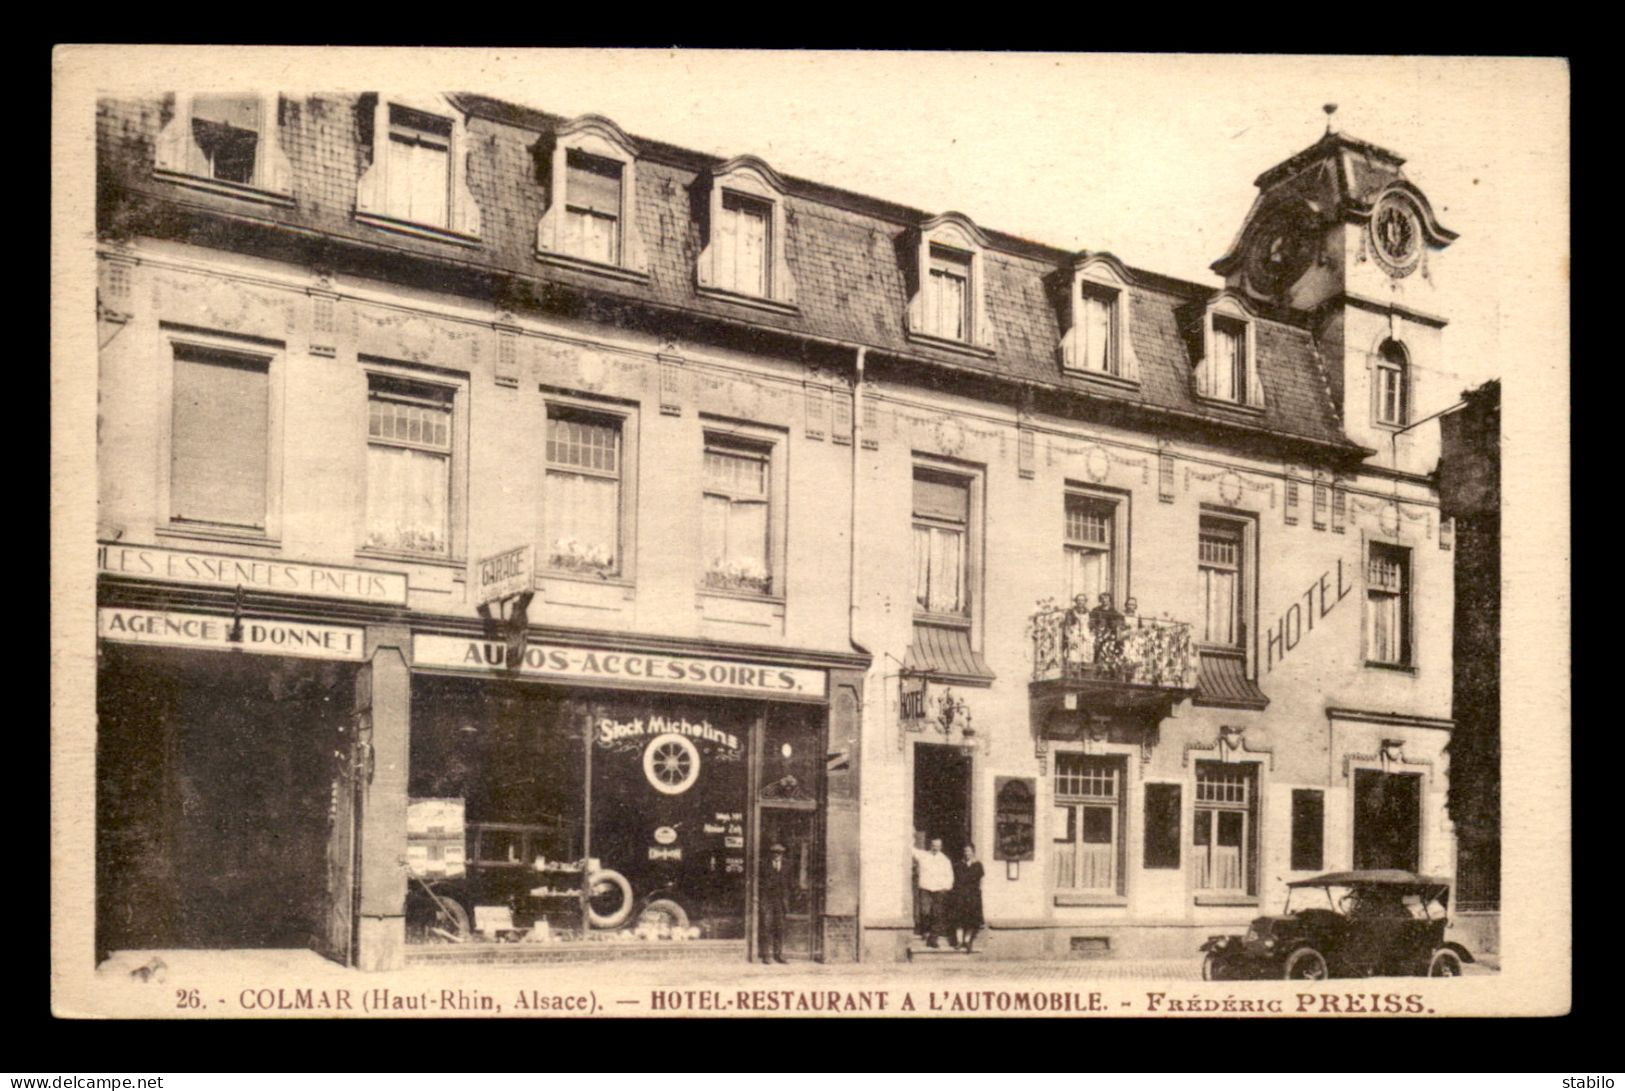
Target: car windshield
(1360, 900)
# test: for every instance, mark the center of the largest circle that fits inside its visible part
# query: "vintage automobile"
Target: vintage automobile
(1345, 924)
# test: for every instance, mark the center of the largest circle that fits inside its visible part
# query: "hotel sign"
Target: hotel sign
(607, 666)
(256, 573)
(217, 633)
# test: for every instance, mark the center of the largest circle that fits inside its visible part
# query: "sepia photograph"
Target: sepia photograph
(656, 533)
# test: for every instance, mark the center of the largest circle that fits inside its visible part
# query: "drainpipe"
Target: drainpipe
(857, 451)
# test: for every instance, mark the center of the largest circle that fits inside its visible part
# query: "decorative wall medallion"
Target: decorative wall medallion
(1097, 463)
(1388, 520)
(747, 397)
(1230, 487)
(226, 304)
(950, 436)
(591, 368)
(415, 338)
(1396, 236)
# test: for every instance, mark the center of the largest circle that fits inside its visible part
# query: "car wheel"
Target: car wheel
(1305, 964)
(450, 916)
(664, 911)
(1446, 963)
(1210, 968)
(613, 911)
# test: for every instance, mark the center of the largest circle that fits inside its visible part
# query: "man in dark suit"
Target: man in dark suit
(775, 902)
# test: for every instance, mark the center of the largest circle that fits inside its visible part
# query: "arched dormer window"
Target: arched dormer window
(1095, 339)
(417, 183)
(1391, 392)
(591, 219)
(948, 306)
(1228, 370)
(745, 235)
(226, 143)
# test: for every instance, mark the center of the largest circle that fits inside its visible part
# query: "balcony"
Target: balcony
(1105, 662)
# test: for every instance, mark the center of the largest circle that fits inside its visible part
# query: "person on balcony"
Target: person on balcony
(1106, 627)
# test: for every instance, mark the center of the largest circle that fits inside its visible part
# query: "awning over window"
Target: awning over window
(1223, 682)
(945, 652)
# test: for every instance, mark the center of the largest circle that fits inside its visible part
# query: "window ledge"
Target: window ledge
(1389, 426)
(1226, 899)
(933, 341)
(947, 621)
(401, 557)
(581, 577)
(587, 265)
(1104, 378)
(416, 230)
(1221, 403)
(744, 299)
(1090, 899)
(220, 534)
(225, 189)
(741, 596)
(1398, 668)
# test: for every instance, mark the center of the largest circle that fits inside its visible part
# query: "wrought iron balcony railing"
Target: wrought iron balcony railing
(1101, 645)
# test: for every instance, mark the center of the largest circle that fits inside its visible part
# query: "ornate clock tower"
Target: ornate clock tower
(1338, 233)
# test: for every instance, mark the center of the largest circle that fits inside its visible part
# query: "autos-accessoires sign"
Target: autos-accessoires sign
(583, 664)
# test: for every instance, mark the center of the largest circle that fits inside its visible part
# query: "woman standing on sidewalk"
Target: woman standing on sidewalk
(967, 899)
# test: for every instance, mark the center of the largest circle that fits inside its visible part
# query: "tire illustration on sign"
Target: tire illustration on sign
(671, 763)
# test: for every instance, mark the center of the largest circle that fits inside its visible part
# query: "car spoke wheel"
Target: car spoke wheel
(1210, 968)
(1305, 964)
(1445, 964)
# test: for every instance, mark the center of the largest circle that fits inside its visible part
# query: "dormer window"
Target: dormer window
(417, 183)
(591, 218)
(1095, 341)
(744, 255)
(1228, 371)
(947, 295)
(227, 143)
(592, 208)
(948, 307)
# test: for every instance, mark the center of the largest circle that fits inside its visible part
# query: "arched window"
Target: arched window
(1393, 384)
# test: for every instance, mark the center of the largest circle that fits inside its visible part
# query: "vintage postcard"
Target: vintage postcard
(617, 533)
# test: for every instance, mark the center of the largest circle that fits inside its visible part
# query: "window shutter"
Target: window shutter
(1255, 381)
(218, 445)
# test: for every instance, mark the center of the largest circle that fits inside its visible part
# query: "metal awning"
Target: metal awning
(1222, 681)
(944, 652)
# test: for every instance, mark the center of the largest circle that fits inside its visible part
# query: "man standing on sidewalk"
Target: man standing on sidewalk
(775, 898)
(936, 879)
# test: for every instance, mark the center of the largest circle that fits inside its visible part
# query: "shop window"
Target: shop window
(736, 513)
(1224, 837)
(1308, 829)
(941, 533)
(1388, 605)
(1162, 817)
(1392, 386)
(417, 182)
(582, 504)
(1091, 548)
(219, 473)
(227, 140)
(409, 463)
(1088, 833)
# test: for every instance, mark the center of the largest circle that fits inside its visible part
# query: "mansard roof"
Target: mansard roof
(848, 253)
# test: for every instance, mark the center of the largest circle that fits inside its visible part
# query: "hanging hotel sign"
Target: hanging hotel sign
(211, 631)
(254, 573)
(608, 666)
(502, 574)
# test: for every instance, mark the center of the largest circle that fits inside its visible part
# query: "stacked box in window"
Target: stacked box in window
(436, 838)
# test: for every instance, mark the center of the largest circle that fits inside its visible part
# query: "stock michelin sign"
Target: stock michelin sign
(607, 666)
